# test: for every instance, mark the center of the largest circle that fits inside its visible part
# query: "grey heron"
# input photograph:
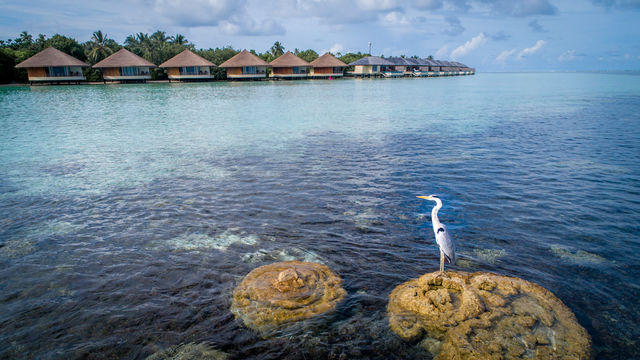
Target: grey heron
(446, 244)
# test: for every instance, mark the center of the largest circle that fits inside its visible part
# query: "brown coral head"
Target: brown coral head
(488, 316)
(283, 292)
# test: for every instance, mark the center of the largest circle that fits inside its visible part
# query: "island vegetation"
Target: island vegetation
(157, 48)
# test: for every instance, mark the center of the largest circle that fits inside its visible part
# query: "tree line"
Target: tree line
(157, 48)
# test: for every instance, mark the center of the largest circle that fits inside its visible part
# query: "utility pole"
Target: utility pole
(369, 47)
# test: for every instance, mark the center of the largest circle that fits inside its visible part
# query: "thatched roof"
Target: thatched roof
(372, 60)
(123, 58)
(244, 58)
(327, 60)
(51, 57)
(288, 60)
(186, 58)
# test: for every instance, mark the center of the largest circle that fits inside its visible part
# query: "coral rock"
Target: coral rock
(286, 291)
(485, 316)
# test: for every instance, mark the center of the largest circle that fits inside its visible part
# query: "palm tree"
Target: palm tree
(144, 46)
(179, 40)
(277, 49)
(99, 47)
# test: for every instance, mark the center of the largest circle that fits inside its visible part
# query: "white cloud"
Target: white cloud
(337, 48)
(249, 27)
(502, 58)
(567, 56)
(469, 46)
(339, 11)
(395, 18)
(376, 5)
(197, 12)
(531, 50)
(442, 52)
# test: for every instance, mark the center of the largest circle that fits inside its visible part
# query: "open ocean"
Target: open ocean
(129, 213)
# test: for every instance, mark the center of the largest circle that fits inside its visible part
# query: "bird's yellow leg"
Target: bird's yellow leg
(441, 262)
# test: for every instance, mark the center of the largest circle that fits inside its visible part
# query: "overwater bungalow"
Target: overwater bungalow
(439, 68)
(425, 68)
(245, 66)
(327, 66)
(449, 68)
(53, 66)
(289, 66)
(188, 66)
(124, 66)
(464, 69)
(372, 66)
(405, 66)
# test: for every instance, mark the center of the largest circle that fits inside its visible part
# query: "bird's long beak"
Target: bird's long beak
(425, 197)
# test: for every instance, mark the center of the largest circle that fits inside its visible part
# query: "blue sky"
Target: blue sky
(491, 35)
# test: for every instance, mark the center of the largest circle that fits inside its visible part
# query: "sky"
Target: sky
(490, 35)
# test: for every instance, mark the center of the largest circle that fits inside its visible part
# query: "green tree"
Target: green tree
(25, 40)
(66, 45)
(430, 57)
(100, 47)
(179, 39)
(351, 57)
(277, 49)
(308, 55)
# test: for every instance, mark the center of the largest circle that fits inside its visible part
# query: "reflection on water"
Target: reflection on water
(124, 229)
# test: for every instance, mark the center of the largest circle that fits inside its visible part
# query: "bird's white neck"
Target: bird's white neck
(434, 214)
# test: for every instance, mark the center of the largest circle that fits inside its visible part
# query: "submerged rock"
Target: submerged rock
(485, 316)
(286, 291)
(189, 351)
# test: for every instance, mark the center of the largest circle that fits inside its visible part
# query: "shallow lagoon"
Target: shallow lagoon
(130, 212)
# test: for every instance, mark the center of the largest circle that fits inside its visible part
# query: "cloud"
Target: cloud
(455, 28)
(499, 36)
(427, 4)
(469, 46)
(535, 26)
(394, 18)
(339, 11)
(193, 13)
(337, 48)
(618, 4)
(531, 50)
(377, 5)
(521, 7)
(502, 58)
(244, 25)
(516, 8)
(567, 56)
(442, 52)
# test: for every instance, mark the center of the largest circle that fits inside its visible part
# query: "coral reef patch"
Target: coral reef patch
(283, 292)
(457, 315)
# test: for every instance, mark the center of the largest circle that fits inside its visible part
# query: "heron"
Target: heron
(446, 244)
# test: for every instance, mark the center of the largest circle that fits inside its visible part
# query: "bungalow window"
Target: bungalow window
(337, 70)
(249, 70)
(128, 71)
(58, 71)
(299, 70)
(189, 70)
(374, 68)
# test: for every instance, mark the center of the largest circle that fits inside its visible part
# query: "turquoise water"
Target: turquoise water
(130, 212)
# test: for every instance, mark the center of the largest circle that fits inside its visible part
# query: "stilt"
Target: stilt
(441, 262)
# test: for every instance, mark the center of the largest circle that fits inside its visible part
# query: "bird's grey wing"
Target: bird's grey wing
(446, 243)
